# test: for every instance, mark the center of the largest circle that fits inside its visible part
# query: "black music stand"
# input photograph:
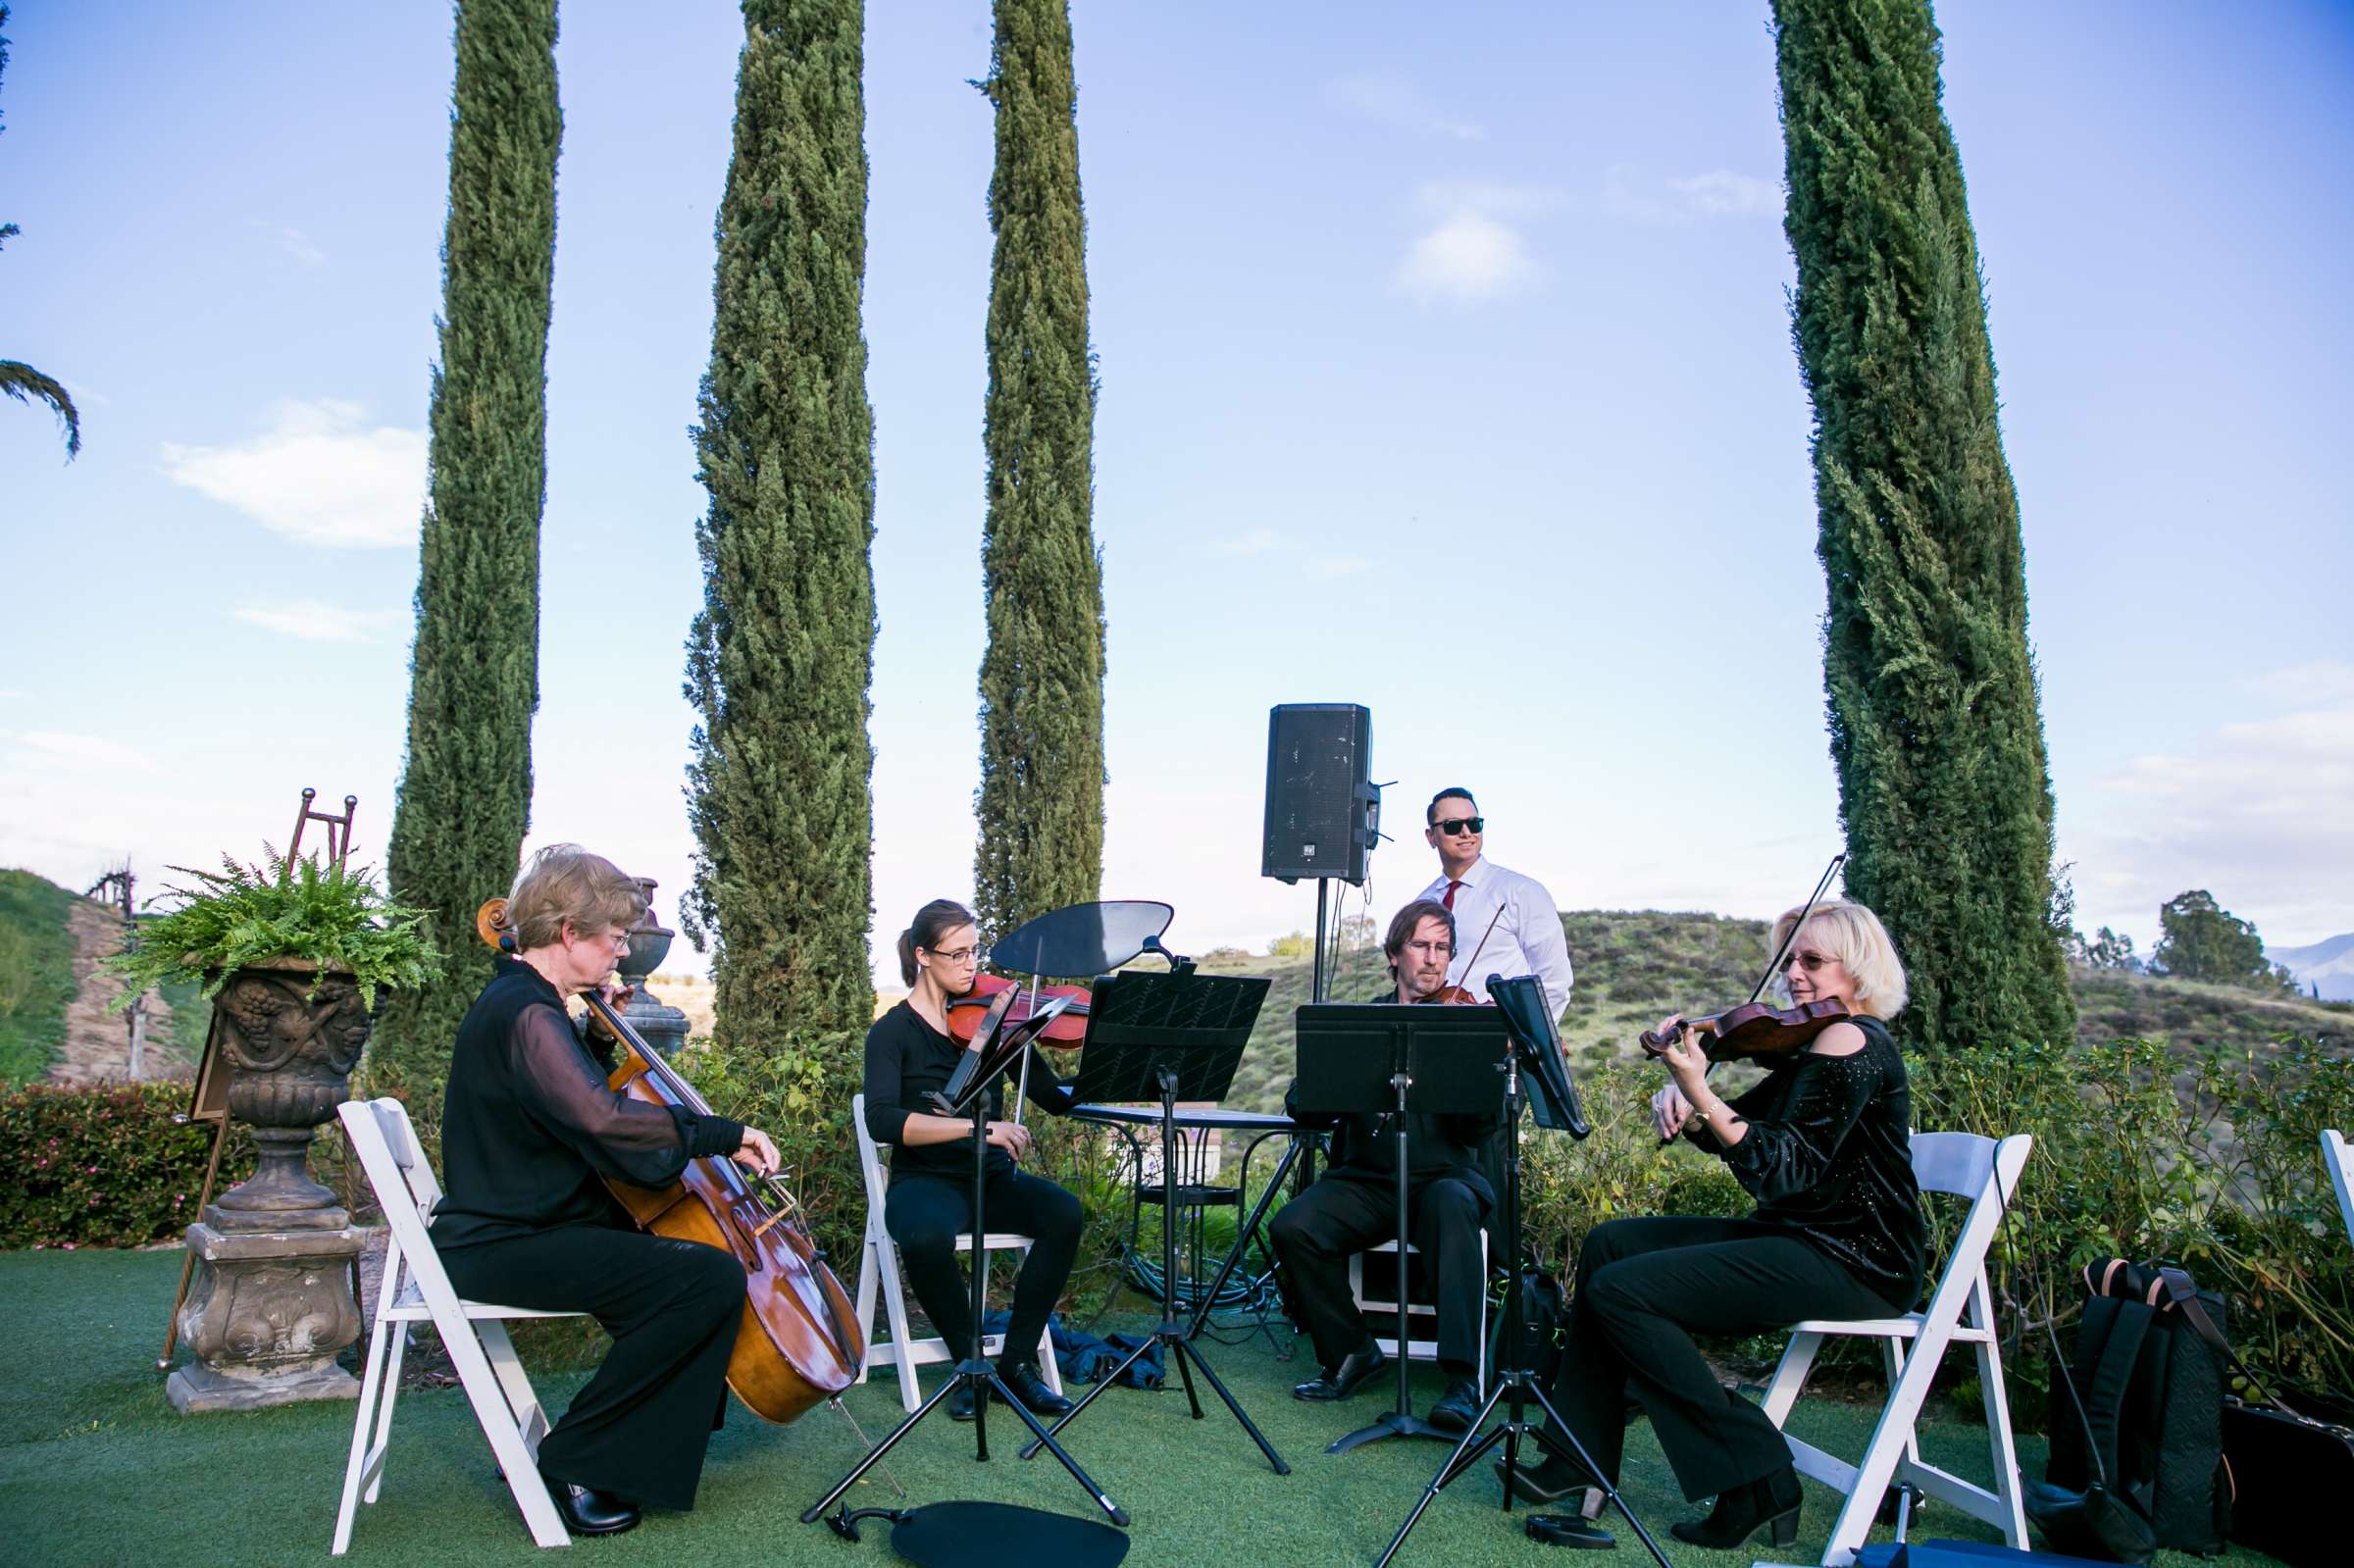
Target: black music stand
(1168, 1036)
(1380, 1057)
(942, 1532)
(1534, 1048)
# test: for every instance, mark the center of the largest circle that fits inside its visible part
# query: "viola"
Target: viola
(1752, 1032)
(967, 1012)
(800, 1343)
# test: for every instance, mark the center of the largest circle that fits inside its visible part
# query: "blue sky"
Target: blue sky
(1445, 366)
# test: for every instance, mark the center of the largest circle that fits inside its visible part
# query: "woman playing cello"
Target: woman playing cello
(529, 1133)
(910, 1052)
(1822, 1145)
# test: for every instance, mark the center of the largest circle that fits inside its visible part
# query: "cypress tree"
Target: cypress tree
(1041, 800)
(781, 654)
(1944, 790)
(465, 786)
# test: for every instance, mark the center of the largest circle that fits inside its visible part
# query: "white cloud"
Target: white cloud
(318, 476)
(1630, 192)
(2326, 680)
(1258, 541)
(1472, 255)
(314, 621)
(290, 240)
(1388, 98)
(2255, 813)
(63, 748)
(1338, 565)
(8, 694)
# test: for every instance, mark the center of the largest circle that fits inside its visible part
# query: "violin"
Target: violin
(800, 1343)
(1752, 1032)
(968, 1012)
(1759, 1031)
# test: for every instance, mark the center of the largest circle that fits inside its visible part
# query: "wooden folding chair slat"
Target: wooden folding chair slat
(1959, 1311)
(415, 1288)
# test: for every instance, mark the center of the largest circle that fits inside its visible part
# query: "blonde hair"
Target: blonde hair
(1854, 934)
(566, 883)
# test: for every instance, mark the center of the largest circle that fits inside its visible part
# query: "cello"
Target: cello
(800, 1343)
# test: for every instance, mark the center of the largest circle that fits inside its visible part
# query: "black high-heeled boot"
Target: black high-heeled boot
(1772, 1501)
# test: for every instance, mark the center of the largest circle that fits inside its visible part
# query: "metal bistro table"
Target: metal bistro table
(1198, 1191)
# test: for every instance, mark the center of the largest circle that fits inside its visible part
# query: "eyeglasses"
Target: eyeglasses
(1810, 962)
(1456, 827)
(954, 955)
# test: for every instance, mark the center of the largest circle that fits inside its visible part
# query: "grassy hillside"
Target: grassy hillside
(1636, 966)
(36, 974)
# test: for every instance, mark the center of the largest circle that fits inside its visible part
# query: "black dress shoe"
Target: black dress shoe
(1456, 1407)
(1021, 1379)
(1573, 1531)
(586, 1511)
(1548, 1480)
(1772, 1503)
(960, 1403)
(1339, 1383)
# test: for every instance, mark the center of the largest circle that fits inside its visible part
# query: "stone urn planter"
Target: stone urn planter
(271, 1307)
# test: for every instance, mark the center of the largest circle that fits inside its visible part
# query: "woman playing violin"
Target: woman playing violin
(910, 1053)
(1822, 1145)
(529, 1133)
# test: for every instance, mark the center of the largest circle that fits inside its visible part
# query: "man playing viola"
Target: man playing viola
(1353, 1206)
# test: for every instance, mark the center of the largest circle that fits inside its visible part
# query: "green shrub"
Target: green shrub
(2210, 1160)
(36, 974)
(798, 1092)
(104, 1165)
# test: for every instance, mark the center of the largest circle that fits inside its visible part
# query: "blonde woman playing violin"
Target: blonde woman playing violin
(1822, 1145)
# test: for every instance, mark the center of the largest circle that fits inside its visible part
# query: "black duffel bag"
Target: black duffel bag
(2286, 1467)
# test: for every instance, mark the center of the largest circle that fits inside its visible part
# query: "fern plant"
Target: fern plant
(331, 916)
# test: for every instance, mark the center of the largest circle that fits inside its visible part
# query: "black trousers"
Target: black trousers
(925, 1212)
(638, 1428)
(1644, 1287)
(1316, 1233)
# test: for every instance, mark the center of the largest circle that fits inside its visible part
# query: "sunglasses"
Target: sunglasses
(1455, 826)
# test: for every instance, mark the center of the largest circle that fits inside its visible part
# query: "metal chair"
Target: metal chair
(415, 1288)
(1961, 1311)
(879, 1269)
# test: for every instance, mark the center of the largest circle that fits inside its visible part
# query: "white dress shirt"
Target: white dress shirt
(1528, 939)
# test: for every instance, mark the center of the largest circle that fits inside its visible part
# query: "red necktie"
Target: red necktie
(1448, 903)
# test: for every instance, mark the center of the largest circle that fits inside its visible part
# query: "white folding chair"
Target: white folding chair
(1417, 1349)
(2337, 1157)
(1961, 1310)
(879, 1269)
(417, 1290)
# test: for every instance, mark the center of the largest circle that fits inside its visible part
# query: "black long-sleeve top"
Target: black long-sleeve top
(1365, 1143)
(1828, 1152)
(906, 1060)
(528, 1126)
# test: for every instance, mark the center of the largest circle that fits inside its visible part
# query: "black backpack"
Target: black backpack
(2149, 1378)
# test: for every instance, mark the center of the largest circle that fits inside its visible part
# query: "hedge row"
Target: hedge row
(2139, 1152)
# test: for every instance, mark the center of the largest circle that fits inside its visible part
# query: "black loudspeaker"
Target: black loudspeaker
(1323, 811)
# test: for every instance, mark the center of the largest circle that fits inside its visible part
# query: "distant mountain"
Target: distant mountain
(2328, 965)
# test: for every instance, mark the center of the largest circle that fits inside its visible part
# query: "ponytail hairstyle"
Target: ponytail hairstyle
(932, 922)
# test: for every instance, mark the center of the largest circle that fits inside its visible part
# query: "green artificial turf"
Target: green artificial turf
(95, 1468)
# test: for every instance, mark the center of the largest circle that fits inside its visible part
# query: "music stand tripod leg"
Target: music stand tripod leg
(1401, 1422)
(1174, 1338)
(974, 1372)
(1519, 1382)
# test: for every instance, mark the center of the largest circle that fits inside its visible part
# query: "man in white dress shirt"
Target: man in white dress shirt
(1526, 936)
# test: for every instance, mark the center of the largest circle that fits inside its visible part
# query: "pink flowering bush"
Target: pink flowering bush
(104, 1165)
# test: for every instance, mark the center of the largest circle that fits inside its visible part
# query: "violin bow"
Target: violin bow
(1808, 908)
(1483, 942)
